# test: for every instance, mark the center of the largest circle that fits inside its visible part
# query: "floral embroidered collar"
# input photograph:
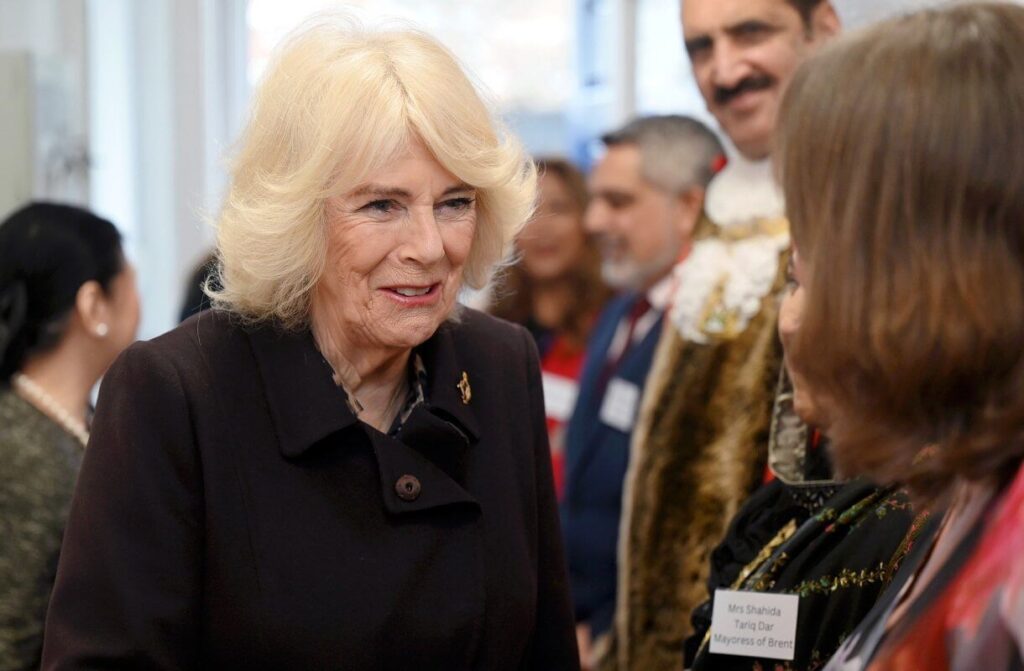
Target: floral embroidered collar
(721, 284)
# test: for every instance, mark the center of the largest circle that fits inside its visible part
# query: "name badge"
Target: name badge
(620, 402)
(560, 395)
(754, 624)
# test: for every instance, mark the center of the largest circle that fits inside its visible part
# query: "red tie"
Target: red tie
(639, 309)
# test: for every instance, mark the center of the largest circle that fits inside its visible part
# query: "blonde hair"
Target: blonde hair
(337, 103)
(902, 163)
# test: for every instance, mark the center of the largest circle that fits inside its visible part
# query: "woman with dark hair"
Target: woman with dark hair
(556, 290)
(906, 197)
(68, 306)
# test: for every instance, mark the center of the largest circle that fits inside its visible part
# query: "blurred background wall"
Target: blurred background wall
(131, 106)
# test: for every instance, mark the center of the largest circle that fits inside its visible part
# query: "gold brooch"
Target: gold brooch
(465, 389)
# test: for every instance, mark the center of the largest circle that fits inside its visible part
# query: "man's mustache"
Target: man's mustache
(724, 95)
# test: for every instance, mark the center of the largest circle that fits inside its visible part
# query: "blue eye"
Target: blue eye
(384, 206)
(457, 204)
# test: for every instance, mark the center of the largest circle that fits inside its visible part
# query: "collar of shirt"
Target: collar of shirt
(659, 297)
(416, 394)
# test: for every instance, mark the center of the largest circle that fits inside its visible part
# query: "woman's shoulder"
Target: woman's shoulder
(490, 345)
(204, 330)
(474, 329)
(199, 346)
(32, 446)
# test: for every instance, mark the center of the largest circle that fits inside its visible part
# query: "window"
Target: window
(521, 52)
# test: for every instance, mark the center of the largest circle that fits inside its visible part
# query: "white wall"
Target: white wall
(17, 128)
(44, 45)
(855, 13)
(130, 103)
(167, 78)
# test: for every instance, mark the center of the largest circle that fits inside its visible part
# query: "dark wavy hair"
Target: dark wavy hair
(514, 295)
(905, 193)
(47, 252)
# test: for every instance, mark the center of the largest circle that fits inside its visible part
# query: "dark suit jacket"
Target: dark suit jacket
(597, 456)
(232, 513)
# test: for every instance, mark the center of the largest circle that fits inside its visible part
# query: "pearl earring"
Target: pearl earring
(102, 330)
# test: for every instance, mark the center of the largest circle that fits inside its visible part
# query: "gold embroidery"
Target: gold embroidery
(766, 582)
(770, 227)
(845, 578)
(908, 541)
(716, 319)
(766, 552)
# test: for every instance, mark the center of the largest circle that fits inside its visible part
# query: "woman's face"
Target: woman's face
(553, 242)
(396, 246)
(791, 312)
(123, 307)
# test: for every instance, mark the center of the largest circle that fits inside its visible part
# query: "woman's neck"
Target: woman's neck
(65, 375)
(374, 377)
(550, 301)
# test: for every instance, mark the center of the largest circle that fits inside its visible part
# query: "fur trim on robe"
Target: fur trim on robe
(698, 451)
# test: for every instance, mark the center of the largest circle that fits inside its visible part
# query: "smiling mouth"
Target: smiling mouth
(422, 291)
(414, 292)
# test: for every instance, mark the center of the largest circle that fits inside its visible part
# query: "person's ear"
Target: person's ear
(824, 23)
(93, 309)
(689, 205)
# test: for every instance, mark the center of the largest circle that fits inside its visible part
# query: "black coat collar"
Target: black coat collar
(444, 374)
(306, 407)
(305, 404)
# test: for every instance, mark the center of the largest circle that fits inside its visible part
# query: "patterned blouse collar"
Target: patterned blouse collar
(416, 395)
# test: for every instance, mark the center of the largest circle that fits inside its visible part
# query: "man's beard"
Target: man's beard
(629, 274)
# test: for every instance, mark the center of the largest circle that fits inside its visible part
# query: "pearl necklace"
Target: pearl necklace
(38, 396)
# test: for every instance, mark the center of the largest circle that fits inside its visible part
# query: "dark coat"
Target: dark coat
(232, 513)
(597, 456)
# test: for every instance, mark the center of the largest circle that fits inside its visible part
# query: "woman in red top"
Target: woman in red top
(556, 291)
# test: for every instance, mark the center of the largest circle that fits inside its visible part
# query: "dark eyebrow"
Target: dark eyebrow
(749, 25)
(692, 44)
(613, 194)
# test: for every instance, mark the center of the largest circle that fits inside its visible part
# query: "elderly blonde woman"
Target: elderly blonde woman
(337, 468)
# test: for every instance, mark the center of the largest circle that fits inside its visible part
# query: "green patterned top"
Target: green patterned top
(39, 462)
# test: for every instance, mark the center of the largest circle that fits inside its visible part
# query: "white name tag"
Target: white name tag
(620, 401)
(753, 624)
(559, 396)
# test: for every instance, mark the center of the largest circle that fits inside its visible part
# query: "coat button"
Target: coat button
(408, 488)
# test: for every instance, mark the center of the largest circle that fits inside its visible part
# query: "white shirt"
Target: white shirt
(658, 296)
